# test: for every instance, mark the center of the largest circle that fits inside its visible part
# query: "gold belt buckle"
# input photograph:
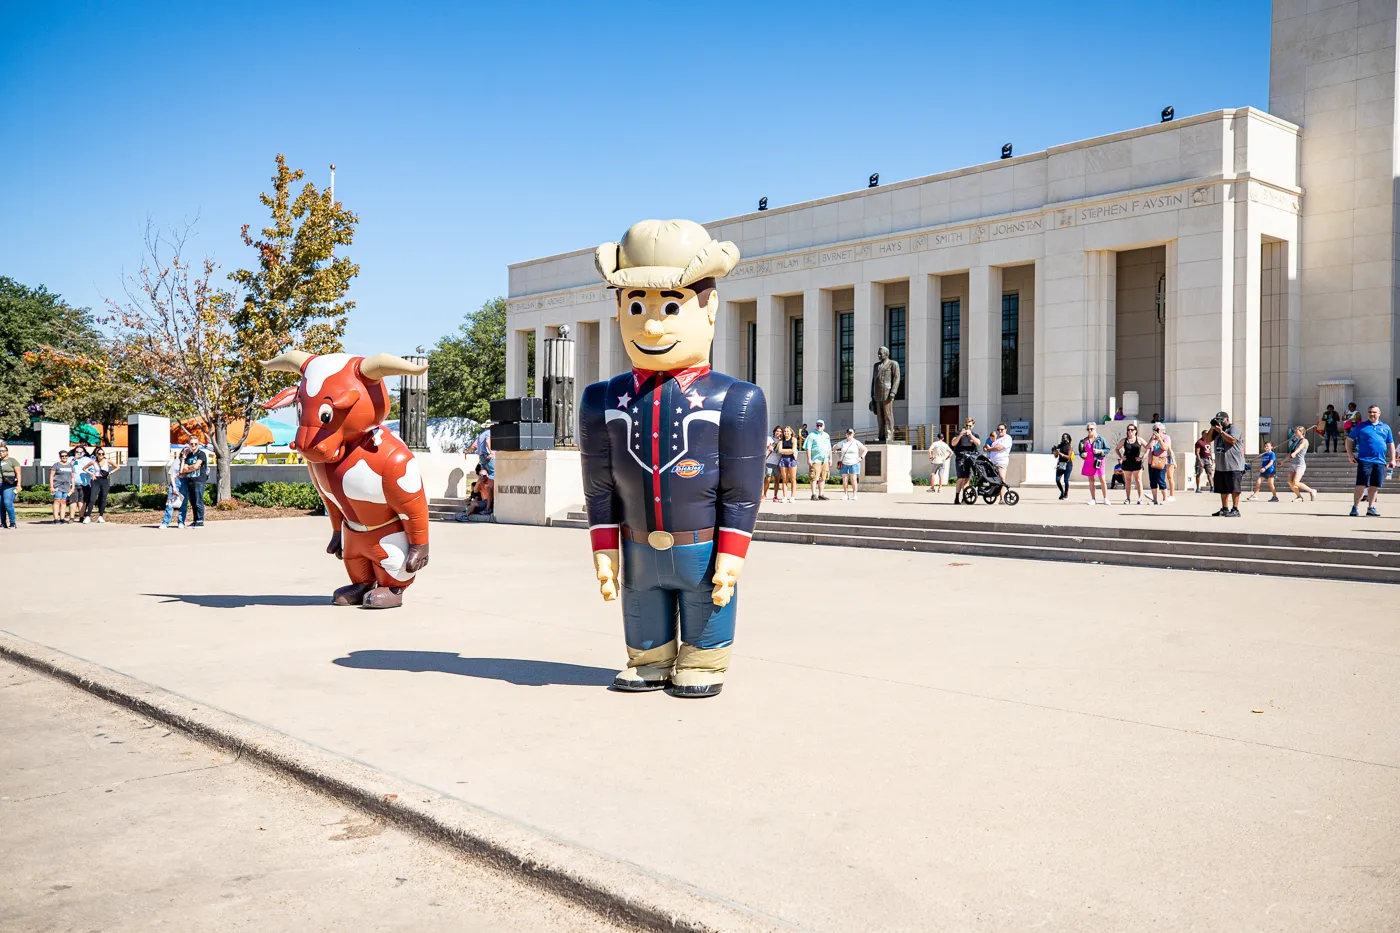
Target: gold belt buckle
(661, 540)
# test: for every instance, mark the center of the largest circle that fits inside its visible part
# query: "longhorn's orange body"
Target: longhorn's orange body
(367, 477)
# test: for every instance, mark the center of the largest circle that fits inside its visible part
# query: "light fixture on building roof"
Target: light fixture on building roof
(1006, 151)
(874, 181)
(763, 204)
(1167, 114)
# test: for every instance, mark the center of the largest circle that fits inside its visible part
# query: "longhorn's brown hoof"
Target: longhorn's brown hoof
(350, 595)
(384, 597)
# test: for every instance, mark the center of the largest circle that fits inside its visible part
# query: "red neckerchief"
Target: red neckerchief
(684, 377)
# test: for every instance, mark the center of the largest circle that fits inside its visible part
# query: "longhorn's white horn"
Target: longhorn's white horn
(290, 362)
(387, 364)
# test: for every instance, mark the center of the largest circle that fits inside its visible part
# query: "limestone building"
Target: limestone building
(1234, 259)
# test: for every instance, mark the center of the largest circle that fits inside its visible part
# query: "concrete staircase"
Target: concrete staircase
(445, 510)
(1329, 558)
(1325, 473)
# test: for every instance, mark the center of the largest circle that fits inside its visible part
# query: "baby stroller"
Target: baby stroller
(984, 481)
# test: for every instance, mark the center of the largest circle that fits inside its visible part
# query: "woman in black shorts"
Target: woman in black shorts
(1130, 451)
(787, 463)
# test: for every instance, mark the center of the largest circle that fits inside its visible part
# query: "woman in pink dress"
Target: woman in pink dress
(1093, 451)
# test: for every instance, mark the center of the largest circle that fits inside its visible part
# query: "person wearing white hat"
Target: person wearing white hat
(672, 458)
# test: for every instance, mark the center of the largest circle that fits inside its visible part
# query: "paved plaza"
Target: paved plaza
(907, 741)
(112, 822)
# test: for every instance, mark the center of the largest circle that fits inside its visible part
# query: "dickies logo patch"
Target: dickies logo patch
(688, 468)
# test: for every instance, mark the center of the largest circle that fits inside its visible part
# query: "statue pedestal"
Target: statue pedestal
(887, 468)
(535, 486)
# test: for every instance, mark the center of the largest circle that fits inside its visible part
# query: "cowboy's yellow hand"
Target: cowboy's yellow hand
(727, 570)
(605, 564)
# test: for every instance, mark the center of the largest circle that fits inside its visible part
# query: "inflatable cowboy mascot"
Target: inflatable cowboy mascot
(672, 462)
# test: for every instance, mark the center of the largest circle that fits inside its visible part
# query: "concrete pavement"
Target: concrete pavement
(907, 742)
(111, 822)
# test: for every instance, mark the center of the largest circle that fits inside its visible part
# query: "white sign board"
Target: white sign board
(53, 437)
(150, 438)
(1266, 425)
(1019, 429)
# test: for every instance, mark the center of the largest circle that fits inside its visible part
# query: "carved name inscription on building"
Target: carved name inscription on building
(749, 270)
(1020, 227)
(1272, 197)
(959, 236)
(1130, 207)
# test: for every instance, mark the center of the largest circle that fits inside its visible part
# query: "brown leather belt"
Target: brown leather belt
(664, 540)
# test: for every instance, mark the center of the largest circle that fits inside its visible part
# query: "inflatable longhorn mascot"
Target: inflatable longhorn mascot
(672, 462)
(367, 477)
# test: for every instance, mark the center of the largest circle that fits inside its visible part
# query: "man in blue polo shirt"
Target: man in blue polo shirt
(1370, 446)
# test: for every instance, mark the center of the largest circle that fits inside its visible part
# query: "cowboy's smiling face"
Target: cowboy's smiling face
(667, 329)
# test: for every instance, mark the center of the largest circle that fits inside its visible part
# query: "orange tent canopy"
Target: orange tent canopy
(257, 437)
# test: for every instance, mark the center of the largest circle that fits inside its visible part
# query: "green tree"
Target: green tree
(295, 297)
(44, 339)
(467, 370)
(200, 348)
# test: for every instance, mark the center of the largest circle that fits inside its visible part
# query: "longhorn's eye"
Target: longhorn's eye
(325, 414)
(672, 308)
(636, 307)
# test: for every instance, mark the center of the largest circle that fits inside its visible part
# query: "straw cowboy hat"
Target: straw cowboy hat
(664, 254)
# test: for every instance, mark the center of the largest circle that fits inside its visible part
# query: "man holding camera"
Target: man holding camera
(1229, 463)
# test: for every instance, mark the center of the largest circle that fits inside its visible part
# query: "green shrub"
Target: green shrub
(280, 496)
(35, 495)
(920, 481)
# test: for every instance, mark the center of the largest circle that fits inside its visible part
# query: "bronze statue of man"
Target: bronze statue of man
(884, 385)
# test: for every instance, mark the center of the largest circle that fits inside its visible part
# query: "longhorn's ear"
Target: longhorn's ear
(346, 399)
(281, 399)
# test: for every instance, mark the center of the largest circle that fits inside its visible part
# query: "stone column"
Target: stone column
(818, 357)
(869, 333)
(517, 363)
(542, 333)
(1169, 340)
(772, 340)
(609, 348)
(1040, 437)
(1202, 341)
(921, 373)
(984, 346)
(1100, 331)
(728, 340)
(1247, 327)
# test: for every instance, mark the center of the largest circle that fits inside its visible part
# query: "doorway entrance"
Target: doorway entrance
(949, 417)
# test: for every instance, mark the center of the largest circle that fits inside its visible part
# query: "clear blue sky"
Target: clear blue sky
(467, 138)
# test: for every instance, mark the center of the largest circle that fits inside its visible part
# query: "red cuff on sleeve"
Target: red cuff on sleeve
(605, 537)
(734, 542)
